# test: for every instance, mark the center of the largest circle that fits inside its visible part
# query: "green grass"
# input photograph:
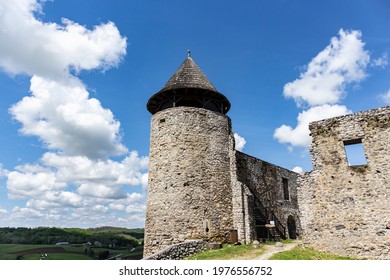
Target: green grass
(7, 249)
(10, 252)
(306, 253)
(247, 252)
(7, 252)
(229, 252)
(287, 241)
(56, 257)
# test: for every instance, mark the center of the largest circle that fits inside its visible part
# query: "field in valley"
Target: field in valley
(73, 243)
(66, 252)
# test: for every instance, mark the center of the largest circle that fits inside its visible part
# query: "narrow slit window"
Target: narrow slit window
(355, 152)
(206, 226)
(286, 192)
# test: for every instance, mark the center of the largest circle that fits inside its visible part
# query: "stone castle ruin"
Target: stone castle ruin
(201, 188)
(345, 206)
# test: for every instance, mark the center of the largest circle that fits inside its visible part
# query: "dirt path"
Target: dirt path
(270, 250)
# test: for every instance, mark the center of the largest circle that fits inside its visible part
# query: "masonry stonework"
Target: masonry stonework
(269, 194)
(346, 209)
(200, 187)
(180, 250)
(189, 193)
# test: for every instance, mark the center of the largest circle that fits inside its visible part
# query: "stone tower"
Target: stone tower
(191, 146)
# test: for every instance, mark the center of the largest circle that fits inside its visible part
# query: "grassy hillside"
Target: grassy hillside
(66, 252)
(84, 244)
(133, 234)
(106, 236)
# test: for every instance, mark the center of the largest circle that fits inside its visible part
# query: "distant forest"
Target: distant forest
(106, 236)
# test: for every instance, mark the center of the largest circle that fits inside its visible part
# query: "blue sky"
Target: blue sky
(76, 76)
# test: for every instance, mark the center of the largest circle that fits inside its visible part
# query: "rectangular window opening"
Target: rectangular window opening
(355, 152)
(286, 192)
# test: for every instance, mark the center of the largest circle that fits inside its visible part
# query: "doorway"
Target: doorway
(292, 227)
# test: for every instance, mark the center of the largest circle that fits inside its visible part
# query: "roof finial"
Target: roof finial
(188, 53)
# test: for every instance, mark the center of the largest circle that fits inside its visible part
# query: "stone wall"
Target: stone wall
(189, 188)
(346, 209)
(179, 251)
(260, 180)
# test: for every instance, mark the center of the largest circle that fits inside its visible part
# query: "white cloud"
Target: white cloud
(100, 208)
(26, 213)
(298, 169)
(133, 209)
(100, 190)
(323, 85)
(3, 211)
(240, 142)
(65, 118)
(75, 183)
(144, 181)
(56, 200)
(299, 136)
(116, 206)
(59, 110)
(93, 212)
(96, 178)
(342, 62)
(76, 190)
(386, 97)
(33, 47)
(80, 169)
(21, 185)
(3, 172)
(381, 61)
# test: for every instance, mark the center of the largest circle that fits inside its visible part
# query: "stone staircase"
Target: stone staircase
(262, 218)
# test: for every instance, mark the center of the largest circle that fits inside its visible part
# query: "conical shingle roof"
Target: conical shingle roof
(190, 85)
(189, 75)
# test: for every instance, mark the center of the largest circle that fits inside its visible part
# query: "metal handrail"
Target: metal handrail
(265, 212)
